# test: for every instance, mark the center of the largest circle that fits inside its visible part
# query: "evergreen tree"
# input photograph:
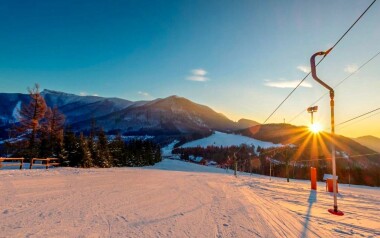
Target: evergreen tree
(147, 155)
(93, 148)
(62, 155)
(157, 154)
(44, 145)
(118, 151)
(105, 158)
(84, 153)
(71, 146)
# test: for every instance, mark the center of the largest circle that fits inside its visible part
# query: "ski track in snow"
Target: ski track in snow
(156, 202)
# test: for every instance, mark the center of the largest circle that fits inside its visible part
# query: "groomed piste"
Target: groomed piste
(177, 199)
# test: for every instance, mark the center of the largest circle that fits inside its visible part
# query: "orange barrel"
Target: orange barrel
(330, 186)
(313, 178)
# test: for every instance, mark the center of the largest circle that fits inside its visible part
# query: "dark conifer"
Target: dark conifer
(105, 158)
(118, 151)
(84, 153)
(71, 145)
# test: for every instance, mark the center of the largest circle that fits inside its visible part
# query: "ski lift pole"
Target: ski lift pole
(270, 169)
(235, 165)
(334, 211)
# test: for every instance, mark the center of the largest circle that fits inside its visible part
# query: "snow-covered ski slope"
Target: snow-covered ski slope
(159, 201)
(224, 139)
(167, 150)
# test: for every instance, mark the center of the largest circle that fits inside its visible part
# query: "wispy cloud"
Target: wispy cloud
(351, 68)
(282, 83)
(199, 72)
(198, 75)
(304, 68)
(145, 94)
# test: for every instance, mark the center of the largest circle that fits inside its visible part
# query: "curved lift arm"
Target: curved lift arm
(314, 71)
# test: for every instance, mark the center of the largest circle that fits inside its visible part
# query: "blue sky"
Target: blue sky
(234, 56)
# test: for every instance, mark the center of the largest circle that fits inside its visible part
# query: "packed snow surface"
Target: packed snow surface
(167, 150)
(224, 139)
(160, 201)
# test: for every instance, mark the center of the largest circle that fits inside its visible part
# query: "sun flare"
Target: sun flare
(315, 128)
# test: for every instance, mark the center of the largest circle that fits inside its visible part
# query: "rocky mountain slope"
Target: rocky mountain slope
(171, 115)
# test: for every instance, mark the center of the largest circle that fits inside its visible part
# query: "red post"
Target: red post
(313, 178)
(330, 185)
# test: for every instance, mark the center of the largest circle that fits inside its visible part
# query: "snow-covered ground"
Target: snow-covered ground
(160, 201)
(167, 150)
(224, 139)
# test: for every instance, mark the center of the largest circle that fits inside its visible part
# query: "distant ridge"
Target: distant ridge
(170, 115)
(301, 136)
(246, 123)
(371, 142)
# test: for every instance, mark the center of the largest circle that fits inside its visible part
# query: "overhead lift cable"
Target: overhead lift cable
(320, 61)
(362, 115)
(319, 99)
(365, 118)
(357, 117)
(328, 51)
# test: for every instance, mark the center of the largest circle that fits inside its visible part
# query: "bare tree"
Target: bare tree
(54, 123)
(53, 129)
(30, 115)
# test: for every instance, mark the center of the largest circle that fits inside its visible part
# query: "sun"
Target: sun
(315, 128)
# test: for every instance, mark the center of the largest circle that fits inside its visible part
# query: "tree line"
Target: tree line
(222, 155)
(41, 133)
(285, 161)
(96, 150)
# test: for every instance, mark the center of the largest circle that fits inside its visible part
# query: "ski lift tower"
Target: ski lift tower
(311, 110)
(335, 210)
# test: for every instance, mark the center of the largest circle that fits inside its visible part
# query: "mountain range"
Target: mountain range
(171, 116)
(371, 142)
(178, 119)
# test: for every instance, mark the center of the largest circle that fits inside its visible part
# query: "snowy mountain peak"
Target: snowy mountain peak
(48, 91)
(224, 139)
